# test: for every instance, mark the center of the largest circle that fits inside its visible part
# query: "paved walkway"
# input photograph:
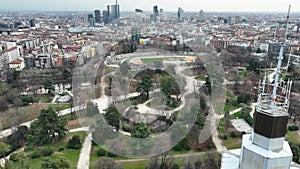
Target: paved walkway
(193, 154)
(84, 157)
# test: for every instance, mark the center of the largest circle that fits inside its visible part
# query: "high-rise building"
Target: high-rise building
(155, 13)
(139, 15)
(161, 14)
(136, 34)
(97, 16)
(113, 11)
(230, 20)
(90, 20)
(180, 14)
(201, 15)
(138, 11)
(151, 18)
(31, 23)
(105, 16)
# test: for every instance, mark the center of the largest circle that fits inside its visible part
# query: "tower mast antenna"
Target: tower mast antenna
(286, 38)
(274, 95)
(287, 23)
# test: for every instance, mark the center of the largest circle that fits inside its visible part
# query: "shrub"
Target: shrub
(35, 154)
(293, 128)
(199, 149)
(109, 154)
(175, 166)
(249, 120)
(100, 152)
(14, 147)
(209, 146)
(74, 143)
(93, 143)
(126, 128)
(178, 147)
(48, 163)
(225, 137)
(187, 147)
(14, 157)
(61, 149)
(234, 103)
(233, 134)
(244, 98)
(46, 152)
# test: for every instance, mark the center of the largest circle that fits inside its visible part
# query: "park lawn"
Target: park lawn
(71, 154)
(183, 151)
(232, 143)
(229, 94)
(59, 107)
(151, 60)
(45, 98)
(237, 115)
(135, 165)
(243, 73)
(94, 157)
(228, 108)
(180, 161)
(27, 113)
(293, 137)
(22, 114)
(201, 78)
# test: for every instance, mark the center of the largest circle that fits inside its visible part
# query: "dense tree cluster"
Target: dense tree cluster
(91, 109)
(296, 152)
(144, 86)
(140, 130)
(113, 117)
(48, 128)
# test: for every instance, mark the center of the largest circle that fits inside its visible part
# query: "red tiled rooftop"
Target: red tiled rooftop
(11, 49)
(17, 61)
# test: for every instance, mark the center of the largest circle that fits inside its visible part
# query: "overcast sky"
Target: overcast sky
(146, 5)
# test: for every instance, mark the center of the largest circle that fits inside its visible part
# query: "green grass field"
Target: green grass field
(237, 115)
(201, 78)
(151, 60)
(229, 142)
(232, 143)
(59, 107)
(135, 165)
(293, 137)
(71, 154)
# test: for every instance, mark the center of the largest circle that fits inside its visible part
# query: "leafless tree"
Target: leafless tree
(163, 161)
(107, 163)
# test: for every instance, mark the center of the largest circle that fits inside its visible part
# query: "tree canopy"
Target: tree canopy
(113, 117)
(145, 85)
(91, 109)
(48, 128)
(141, 130)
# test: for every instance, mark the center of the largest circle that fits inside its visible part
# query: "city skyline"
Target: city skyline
(130, 5)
